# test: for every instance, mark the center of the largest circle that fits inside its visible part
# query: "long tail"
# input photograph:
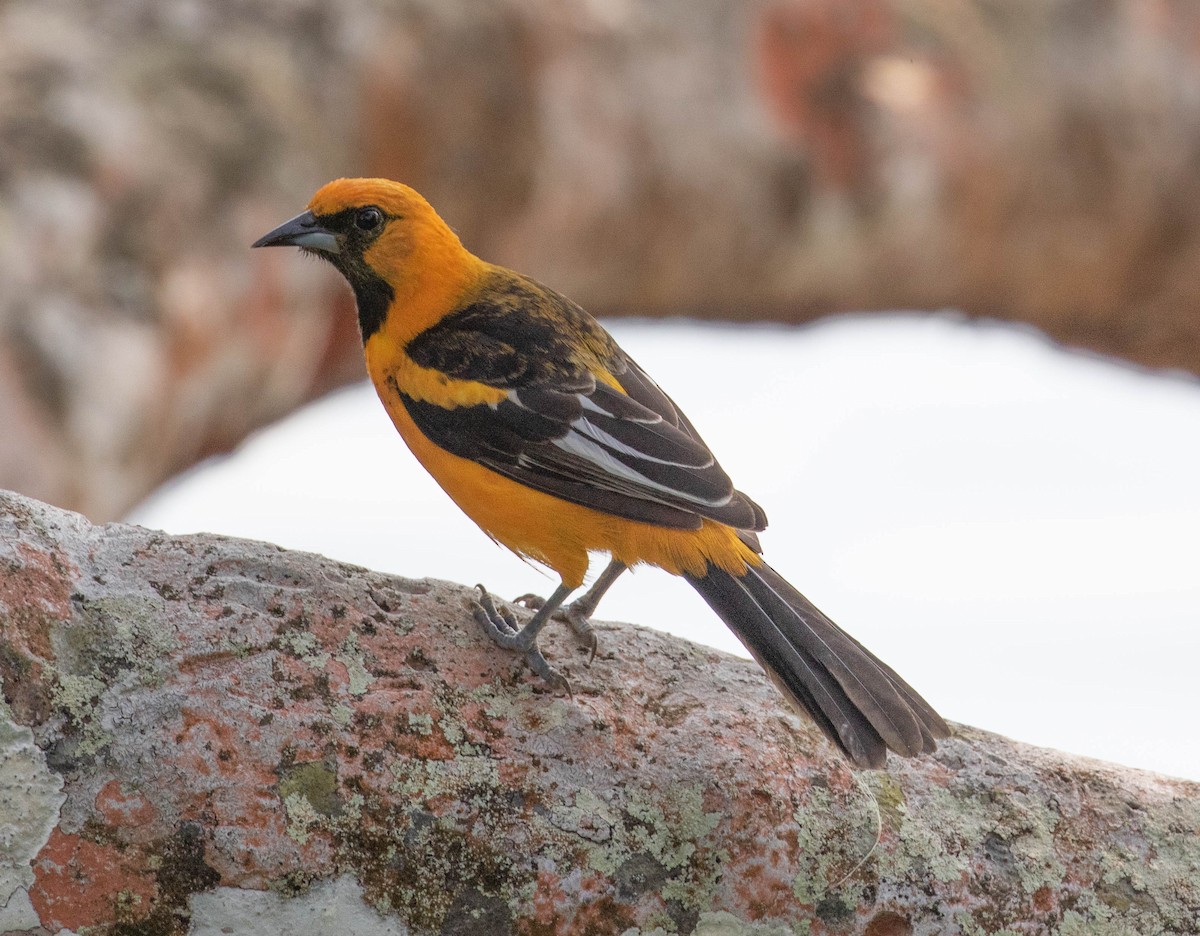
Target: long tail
(856, 699)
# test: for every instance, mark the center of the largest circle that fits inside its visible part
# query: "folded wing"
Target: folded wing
(561, 430)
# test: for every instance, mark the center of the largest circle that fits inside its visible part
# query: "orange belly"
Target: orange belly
(560, 534)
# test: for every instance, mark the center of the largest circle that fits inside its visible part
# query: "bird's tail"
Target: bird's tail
(856, 699)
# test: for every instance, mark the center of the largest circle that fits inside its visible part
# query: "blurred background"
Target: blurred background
(987, 472)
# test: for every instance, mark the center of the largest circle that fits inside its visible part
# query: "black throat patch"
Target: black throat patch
(374, 296)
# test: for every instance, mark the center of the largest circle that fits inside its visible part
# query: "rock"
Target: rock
(200, 732)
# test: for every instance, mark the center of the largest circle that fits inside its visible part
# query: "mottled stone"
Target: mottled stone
(246, 733)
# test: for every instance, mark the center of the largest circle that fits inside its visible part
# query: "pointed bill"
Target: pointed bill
(301, 231)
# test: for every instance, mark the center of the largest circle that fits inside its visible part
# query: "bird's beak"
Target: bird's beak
(302, 231)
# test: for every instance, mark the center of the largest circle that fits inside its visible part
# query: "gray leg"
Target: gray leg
(502, 627)
(579, 612)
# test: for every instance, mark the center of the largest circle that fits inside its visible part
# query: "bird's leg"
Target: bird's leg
(502, 627)
(579, 612)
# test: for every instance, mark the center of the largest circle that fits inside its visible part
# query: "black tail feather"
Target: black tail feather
(856, 699)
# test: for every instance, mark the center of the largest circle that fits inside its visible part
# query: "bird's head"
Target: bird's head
(388, 242)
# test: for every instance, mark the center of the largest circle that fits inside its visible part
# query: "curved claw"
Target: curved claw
(530, 600)
(581, 627)
(499, 624)
(554, 680)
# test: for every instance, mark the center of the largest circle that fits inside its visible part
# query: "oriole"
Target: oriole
(553, 440)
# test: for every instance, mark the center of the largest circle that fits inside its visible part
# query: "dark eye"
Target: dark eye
(368, 219)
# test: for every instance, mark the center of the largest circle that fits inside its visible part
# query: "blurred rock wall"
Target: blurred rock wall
(1028, 159)
(141, 145)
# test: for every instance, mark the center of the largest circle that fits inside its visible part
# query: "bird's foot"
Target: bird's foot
(501, 625)
(576, 616)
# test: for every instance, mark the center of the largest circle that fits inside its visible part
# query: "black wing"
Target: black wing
(562, 431)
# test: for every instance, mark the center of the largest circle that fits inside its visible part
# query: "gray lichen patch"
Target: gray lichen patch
(642, 836)
(1146, 885)
(116, 633)
(837, 828)
(1017, 846)
(467, 777)
(350, 655)
(416, 865)
(302, 817)
(30, 798)
(76, 696)
(1170, 875)
(109, 641)
(304, 646)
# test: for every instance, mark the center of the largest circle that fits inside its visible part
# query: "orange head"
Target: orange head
(386, 240)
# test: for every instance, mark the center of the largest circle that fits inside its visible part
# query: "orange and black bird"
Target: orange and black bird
(552, 439)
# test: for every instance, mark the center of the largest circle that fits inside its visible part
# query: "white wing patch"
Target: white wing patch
(651, 418)
(585, 428)
(585, 448)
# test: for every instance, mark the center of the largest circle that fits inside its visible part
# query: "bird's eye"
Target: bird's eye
(368, 219)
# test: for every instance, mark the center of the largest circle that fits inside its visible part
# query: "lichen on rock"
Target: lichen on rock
(199, 726)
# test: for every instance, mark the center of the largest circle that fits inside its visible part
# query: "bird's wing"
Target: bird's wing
(562, 430)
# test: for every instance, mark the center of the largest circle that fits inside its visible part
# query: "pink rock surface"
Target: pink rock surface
(241, 732)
